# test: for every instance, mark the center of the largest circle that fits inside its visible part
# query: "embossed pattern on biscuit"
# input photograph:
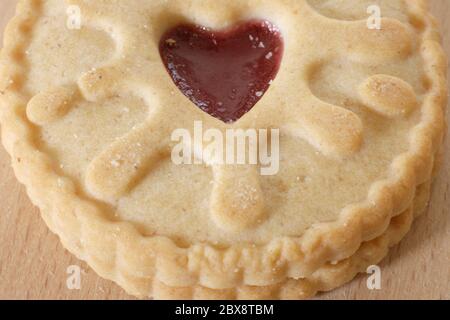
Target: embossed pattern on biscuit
(332, 129)
(388, 95)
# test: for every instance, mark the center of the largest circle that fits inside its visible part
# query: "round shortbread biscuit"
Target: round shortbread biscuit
(88, 111)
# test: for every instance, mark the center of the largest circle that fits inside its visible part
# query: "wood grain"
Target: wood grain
(33, 263)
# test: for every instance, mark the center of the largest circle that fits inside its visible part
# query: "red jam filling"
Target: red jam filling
(225, 73)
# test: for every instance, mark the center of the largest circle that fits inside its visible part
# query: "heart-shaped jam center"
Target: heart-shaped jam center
(225, 73)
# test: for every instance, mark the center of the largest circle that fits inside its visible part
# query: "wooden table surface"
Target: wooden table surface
(33, 264)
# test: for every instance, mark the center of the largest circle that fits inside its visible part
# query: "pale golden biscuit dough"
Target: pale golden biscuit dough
(87, 117)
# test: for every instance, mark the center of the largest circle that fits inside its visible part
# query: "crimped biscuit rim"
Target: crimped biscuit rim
(114, 246)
